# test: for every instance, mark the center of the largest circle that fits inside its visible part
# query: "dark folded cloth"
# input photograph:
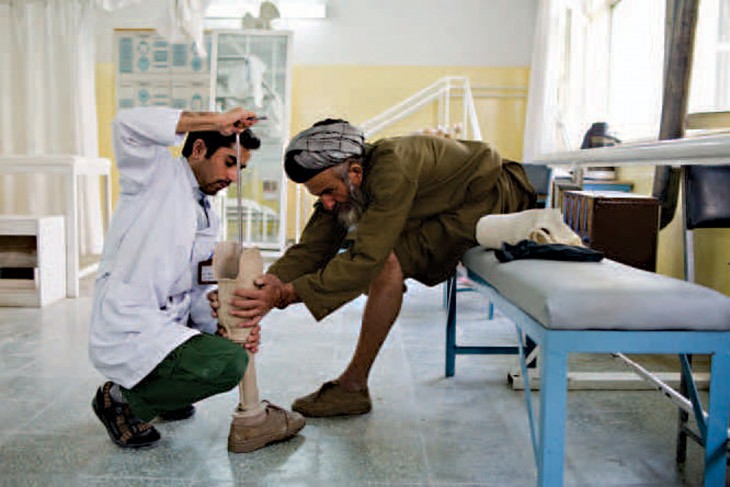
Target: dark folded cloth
(527, 249)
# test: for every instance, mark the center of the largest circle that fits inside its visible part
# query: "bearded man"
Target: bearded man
(403, 207)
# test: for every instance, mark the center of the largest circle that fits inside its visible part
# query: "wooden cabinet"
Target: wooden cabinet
(624, 226)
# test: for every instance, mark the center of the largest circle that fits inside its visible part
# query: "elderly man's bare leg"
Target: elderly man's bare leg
(383, 305)
(349, 394)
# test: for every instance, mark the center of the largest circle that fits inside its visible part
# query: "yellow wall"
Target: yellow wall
(105, 110)
(358, 93)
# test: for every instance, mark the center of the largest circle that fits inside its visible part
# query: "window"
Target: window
(722, 91)
(710, 85)
(612, 62)
(636, 58)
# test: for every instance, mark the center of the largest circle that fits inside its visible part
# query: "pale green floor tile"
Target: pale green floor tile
(424, 430)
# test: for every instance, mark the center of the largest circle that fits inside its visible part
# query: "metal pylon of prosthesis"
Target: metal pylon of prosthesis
(237, 267)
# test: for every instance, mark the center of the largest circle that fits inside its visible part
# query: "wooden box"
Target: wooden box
(624, 226)
(32, 260)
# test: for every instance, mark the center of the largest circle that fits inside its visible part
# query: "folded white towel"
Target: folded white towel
(542, 226)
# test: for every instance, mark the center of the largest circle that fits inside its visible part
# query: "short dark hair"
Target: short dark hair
(329, 121)
(214, 140)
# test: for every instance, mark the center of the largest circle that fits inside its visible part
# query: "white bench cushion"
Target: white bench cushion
(601, 295)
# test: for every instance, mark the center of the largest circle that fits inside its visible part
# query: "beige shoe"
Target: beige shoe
(278, 425)
(333, 400)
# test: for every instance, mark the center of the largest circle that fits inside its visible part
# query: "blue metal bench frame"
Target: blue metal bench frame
(555, 345)
(453, 349)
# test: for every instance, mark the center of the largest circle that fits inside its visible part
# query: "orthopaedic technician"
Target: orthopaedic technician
(152, 334)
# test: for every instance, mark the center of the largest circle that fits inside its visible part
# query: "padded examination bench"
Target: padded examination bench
(606, 307)
(603, 295)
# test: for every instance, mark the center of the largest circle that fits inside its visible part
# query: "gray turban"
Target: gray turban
(324, 145)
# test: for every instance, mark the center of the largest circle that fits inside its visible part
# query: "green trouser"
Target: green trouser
(201, 367)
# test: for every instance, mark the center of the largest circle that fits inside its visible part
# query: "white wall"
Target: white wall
(144, 16)
(387, 32)
(419, 32)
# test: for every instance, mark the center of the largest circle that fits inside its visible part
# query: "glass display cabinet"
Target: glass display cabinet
(252, 69)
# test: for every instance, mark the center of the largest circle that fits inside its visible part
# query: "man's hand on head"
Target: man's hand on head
(236, 120)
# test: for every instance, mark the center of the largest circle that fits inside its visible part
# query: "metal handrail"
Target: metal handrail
(441, 90)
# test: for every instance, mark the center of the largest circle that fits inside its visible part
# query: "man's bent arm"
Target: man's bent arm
(226, 122)
(320, 241)
(349, 274)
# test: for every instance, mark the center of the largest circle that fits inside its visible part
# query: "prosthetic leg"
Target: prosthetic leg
(237, 267)
(255, 423)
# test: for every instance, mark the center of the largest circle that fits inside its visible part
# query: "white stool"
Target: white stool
(32, 260)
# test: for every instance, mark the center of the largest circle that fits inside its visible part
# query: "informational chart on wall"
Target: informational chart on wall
(151, 71)
(250, 69)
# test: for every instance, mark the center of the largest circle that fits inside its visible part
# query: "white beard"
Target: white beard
(348, 217)
(350, 213)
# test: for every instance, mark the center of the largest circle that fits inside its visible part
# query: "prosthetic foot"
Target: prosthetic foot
(255, 423)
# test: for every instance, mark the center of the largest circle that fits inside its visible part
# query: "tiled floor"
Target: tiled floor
(424, 430)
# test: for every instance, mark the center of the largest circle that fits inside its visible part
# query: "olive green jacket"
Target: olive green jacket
(424, 196)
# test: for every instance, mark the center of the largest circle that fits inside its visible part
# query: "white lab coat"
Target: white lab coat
(146, 291)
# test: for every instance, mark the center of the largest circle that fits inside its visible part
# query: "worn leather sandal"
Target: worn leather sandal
(333, 400)
(278, 425)
(124, 429)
